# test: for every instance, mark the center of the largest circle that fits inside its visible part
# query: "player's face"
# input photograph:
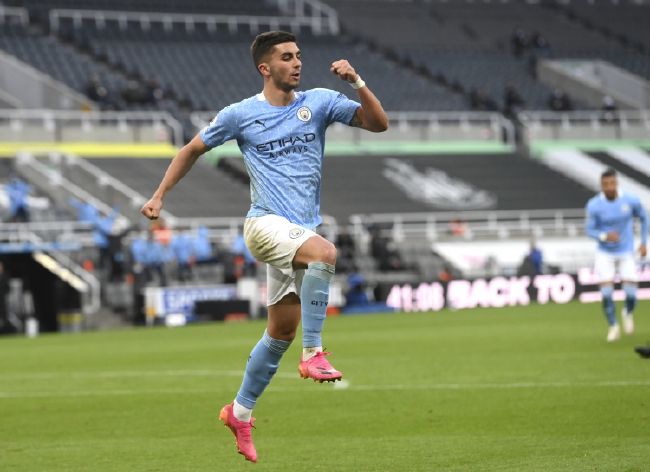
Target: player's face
(609, 186)
(284, 66)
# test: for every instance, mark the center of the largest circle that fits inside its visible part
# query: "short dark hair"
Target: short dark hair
(609, 172)
(264, 42)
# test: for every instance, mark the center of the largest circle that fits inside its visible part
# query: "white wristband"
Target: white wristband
(602, 237)
(358, 84)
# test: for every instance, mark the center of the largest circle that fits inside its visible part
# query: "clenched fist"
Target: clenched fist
(344, 70)
(152, 208)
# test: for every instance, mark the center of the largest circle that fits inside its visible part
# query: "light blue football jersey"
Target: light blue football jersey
(618, 215)
(283, 149)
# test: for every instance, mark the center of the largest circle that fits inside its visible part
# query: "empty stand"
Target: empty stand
(358, 185)
(225, 7)
(214, 69)
(494, 22)
(204, 192)
(60, 61)
(468, 46)
(473, 43)
(487, 72)
(627, 21)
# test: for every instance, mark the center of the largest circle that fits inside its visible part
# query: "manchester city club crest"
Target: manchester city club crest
(296, 233)
(304, 114)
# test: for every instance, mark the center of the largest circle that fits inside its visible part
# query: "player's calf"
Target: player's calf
(630, 303)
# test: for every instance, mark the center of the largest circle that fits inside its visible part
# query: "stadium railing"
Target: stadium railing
(300, 8)
(321, 21)
(72, 234)
(418, 127)
(499, 225)
(107, 126)
(17, 13)
(102, 185)
(585, 125)
(64, 176)
(465, 239)
(55, 185)
(225, 229)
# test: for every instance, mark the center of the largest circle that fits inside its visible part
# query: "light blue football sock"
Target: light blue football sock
(607, 293)
(630, 297)
(262, 365)
(314, 295)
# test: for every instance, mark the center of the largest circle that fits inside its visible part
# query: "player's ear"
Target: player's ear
(264, 69)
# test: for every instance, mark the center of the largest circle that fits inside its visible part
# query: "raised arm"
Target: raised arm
(180, 165)
(371, 115)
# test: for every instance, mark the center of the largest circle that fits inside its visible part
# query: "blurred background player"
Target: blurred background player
(281, 135)
(610, 221)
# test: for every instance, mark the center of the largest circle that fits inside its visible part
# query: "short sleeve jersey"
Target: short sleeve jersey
(283, 149)
(616, 215)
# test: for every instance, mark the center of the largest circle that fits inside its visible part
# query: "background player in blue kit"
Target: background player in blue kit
(281, 134)
(610, 220)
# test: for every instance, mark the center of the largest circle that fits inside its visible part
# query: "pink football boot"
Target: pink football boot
(242, 432)
(319, 369)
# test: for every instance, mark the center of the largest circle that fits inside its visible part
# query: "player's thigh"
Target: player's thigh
(627, 268)
(605, 267)
(315, 249)
(274, 240)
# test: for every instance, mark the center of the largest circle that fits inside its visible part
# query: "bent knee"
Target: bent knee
(327, 253)
(316, 249)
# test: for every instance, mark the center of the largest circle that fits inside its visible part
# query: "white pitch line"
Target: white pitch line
(352, 387)
(130, 373)
(106, 393)
(505, 386)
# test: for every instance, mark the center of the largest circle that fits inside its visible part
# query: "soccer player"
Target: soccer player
(610, 220)
(280, 132)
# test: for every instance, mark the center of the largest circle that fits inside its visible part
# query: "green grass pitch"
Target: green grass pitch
(517, 389)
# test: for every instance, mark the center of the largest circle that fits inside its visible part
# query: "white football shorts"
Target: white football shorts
(274, 240)
(608, 265)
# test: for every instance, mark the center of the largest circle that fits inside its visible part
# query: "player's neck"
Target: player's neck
(277, 97)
